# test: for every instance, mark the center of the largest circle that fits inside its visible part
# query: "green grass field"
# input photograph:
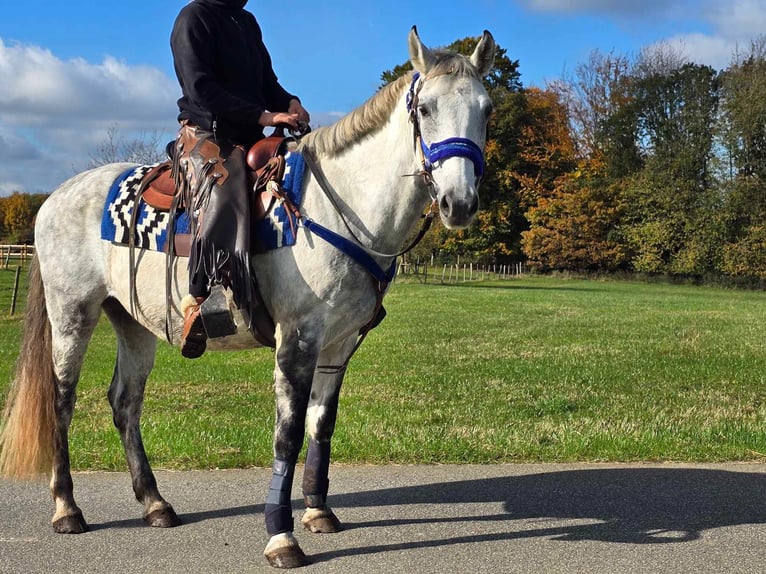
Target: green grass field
(532, 369)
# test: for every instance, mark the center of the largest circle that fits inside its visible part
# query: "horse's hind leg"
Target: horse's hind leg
(135, 358)
(70, 333)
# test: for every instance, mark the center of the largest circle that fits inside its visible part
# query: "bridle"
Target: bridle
(451, 147)
(353, 246)
(429, 155)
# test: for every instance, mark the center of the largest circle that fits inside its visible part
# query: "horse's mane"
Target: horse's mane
(374, 113)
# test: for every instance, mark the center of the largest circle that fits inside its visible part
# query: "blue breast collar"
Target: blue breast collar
(353, 250)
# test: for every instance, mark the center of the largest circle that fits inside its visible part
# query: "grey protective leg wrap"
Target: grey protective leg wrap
(279, 512)
(315, 475)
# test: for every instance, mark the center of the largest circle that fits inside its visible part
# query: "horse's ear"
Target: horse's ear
(483, 56)
(421, 57)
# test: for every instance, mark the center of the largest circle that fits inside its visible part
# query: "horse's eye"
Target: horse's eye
(424, 110)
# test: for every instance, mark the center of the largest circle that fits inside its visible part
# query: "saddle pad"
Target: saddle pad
(279, 226)
(151, 224)
(276, 230)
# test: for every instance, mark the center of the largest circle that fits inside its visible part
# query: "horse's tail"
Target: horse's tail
(26, 431)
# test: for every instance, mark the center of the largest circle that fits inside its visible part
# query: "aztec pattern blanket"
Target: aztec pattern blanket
(274, 231)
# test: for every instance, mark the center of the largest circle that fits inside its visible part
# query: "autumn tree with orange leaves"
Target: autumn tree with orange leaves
(571, 212)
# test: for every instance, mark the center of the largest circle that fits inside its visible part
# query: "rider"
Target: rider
(230, 93)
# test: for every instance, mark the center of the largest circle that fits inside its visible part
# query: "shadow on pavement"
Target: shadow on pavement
(630, 505)
(636, 506)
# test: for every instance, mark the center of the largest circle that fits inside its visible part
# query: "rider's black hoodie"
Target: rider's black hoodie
(224, 70)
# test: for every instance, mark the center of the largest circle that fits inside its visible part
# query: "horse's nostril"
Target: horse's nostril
(445, 206)
(474, 207)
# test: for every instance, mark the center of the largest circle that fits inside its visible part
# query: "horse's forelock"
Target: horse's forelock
(451, 63)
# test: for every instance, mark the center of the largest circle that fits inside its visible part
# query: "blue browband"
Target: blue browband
(451, 147)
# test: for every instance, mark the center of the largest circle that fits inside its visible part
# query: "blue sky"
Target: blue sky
(71, 70)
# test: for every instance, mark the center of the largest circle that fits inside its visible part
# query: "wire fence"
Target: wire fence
(456, 272)
(15, 259)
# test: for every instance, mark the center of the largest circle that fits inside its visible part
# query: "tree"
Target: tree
(3, 231)
(600, 103)
(500, 220)
(743, 136)
(671, 226)
(582, 142)
(145, 148)
(18, 217)
(575, 227)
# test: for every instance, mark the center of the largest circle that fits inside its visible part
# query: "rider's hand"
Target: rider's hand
(297, 108)
(277, 118)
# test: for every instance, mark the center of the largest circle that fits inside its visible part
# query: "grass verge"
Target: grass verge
(533, 369)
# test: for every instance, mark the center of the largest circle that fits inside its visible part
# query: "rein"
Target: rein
(324, 185)
(353, 246)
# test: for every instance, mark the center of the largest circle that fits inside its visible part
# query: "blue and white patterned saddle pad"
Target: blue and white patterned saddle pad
(275, 230)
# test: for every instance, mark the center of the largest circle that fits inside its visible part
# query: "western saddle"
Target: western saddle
(265, 162)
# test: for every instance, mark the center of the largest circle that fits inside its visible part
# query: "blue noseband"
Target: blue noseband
(451, 147)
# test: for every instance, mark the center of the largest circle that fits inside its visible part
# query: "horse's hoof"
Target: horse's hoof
(323, 524)
(163, 518)
(287, 557)
(321, 520)
(71, 524)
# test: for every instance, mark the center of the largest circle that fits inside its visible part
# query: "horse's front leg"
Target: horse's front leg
(296, 360)
(322, 414)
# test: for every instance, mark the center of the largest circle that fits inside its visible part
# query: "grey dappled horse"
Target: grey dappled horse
(318, 295)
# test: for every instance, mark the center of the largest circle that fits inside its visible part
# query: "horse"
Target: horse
(430, 124)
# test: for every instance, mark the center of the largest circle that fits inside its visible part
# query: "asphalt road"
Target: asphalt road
(415, 519)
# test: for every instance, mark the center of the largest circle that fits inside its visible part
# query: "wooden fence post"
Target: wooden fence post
(15, 290)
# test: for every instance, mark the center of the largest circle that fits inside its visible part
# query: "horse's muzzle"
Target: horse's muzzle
(456, 211)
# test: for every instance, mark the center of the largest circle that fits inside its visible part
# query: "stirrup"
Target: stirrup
(216, 315)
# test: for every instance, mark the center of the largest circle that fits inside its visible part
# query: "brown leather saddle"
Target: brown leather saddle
(266, 167)
(265, 162)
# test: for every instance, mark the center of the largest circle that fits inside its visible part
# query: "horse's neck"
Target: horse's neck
(367, 179)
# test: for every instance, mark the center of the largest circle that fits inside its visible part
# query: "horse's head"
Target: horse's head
(450, 109)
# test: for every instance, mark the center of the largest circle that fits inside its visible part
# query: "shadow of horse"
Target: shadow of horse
(635, 506)
(650, 505)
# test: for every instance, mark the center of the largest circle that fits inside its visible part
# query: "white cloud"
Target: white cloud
(737, 18)
(8, 187)
(54, 112)
(715, 51)
(39, 87)
(732, 24)
(724, 26)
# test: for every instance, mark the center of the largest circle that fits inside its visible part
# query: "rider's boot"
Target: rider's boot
(194, 336)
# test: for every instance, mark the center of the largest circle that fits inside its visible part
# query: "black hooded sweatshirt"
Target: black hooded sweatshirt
(224, 70)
